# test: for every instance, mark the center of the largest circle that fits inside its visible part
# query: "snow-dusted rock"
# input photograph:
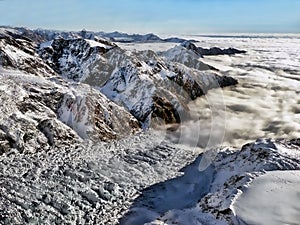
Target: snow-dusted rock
(19, 53)
(72, 57)
(42, 35)
(135, 80)
(37, 113)
(148, 85)
(95, 117)
(186, 56)
(141, 78)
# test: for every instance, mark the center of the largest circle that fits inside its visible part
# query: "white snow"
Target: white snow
(196, 197)
(93, 43)
(273, 198)
(16, 54)
(47, 44)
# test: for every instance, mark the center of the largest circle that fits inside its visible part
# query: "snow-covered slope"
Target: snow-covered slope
(139, 79)
(19, 53)
(214, 195)
(57, 99)
(187, 57)
(37, 113)
(146, 84)
(98, 184)
(272, 198)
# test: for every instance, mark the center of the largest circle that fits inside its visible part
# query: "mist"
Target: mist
(265, 103)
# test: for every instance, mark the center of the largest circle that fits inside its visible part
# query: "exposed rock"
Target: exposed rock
(139, 76)
(210, 51)
(20, 54)
(72, 57)
(165, 110)
(131, 79)
(43, 113)
(218, 51)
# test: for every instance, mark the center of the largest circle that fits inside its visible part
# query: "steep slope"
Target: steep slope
(148, 85)
(19, 53)
(208, 195)
(38, 112)
(142, 80)
(144, 83)
(186, 56)
(41, 110)
(72, 57)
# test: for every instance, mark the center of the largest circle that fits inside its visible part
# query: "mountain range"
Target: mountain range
(80, 133)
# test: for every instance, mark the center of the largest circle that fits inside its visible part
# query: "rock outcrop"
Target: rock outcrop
(20, 54)
(210, 51)
(72, 58)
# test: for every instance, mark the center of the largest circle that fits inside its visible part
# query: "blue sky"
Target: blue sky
(158, 16)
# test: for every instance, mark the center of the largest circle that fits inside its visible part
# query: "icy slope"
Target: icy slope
(209, 196)
(89, 184)
(134, 181)
(273, 198)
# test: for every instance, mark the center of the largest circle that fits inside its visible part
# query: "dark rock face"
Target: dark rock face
(218, 51)
(225, 81)
(211, 51)
(165, 110)
(191, 46)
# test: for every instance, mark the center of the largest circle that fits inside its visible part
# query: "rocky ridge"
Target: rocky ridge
(46, 112)
(210, 51)
(42, 35)
(148, 85)
(134, 79)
